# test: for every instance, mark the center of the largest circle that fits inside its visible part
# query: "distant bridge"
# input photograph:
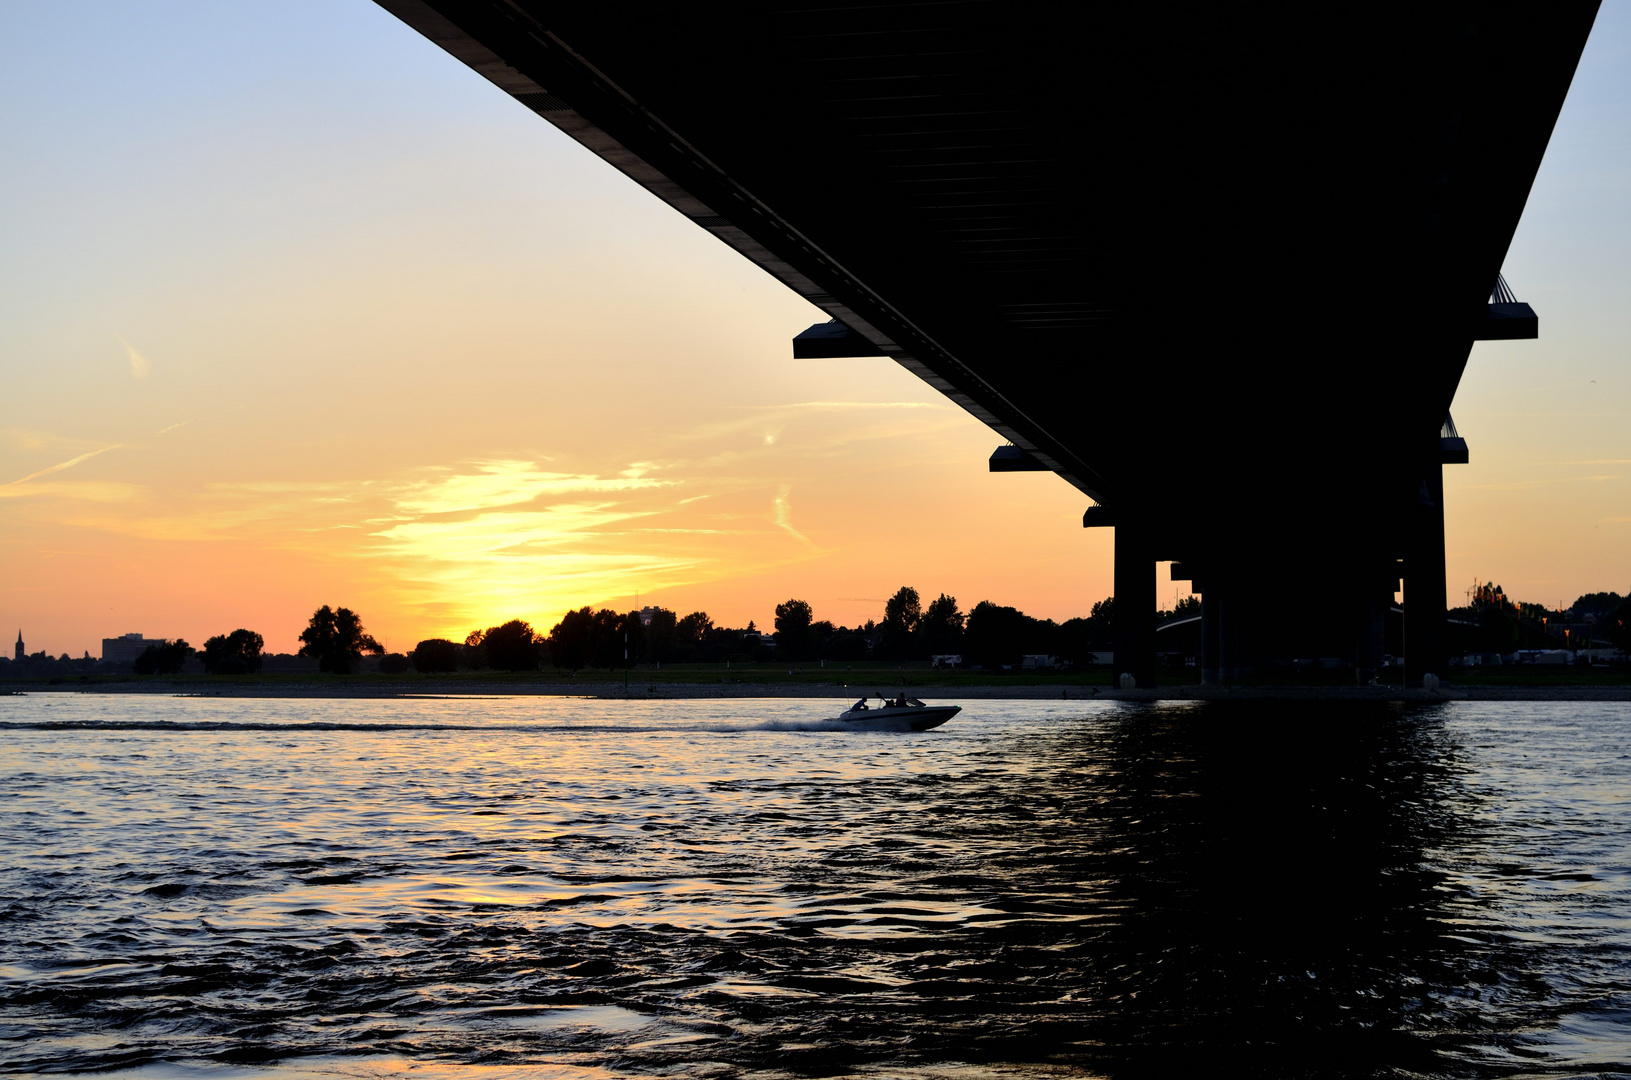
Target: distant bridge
(1219, 270)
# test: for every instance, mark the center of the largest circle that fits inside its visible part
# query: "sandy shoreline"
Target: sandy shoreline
(647, 690)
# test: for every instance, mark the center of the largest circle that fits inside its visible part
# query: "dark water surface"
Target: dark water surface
(519, 887)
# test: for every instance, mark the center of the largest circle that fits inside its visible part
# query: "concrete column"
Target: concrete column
(1425, 648)
(1135, 604)
(1232, 663)
(1211, 641)
(1369, 606)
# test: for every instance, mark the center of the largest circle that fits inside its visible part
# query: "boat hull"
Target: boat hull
(891, 718)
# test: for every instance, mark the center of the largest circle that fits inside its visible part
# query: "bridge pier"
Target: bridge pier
(1425, 617)
(1135, 604)
(1223, 636)
(1211, 640)
(1233, 662)
(1220, 634)
(1370, 610)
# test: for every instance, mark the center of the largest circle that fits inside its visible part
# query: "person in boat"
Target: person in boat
(859, 705)
(900, 702)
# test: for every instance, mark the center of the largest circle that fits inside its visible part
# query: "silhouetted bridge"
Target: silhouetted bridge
(1142, 244)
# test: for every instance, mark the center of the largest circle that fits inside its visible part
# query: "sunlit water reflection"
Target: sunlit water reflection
(516, 887)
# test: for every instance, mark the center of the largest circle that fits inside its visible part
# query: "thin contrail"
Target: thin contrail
(63, 465)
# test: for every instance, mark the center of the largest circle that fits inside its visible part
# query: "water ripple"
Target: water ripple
(193, 887)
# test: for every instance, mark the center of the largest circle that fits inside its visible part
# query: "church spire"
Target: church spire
(20, 653)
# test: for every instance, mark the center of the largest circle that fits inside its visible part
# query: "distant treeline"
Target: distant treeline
(237, 653)
(334, 639)
(991, 635)
(1492, 623)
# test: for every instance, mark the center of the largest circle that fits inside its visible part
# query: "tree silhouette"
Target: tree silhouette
(941, 628)
(690, 635)
(585, 638)
(435, 655)
(660, 636)
(997, 635)
(569, 640)
(513, 646)
(474, 653)
(606, 639)
(901, 614)
(838, 643)
(336, 640)
(793, 629)
(166, 659)
(237, 653)
(1599, 605)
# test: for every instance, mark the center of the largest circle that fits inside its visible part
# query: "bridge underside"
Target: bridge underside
(1221, 271)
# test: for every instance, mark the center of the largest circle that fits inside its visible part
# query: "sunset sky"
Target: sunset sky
(296, 309)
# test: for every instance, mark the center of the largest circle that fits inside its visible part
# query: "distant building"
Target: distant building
(128, 647)
(646, 615)
(20, 653)
(1036, 661)
(946, 660)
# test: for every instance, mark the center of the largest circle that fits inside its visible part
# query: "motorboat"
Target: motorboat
(890, 715)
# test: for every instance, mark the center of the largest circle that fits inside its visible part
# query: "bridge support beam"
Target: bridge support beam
(1425, 648)
(1211, 637)
(1369, 613)
(1135, 604)
(1222, 634)
(1233, 662)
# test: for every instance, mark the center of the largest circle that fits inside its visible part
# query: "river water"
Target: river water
(536, 887)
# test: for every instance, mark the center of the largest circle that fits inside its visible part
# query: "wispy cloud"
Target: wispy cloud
(497, 484)
(523, 532)
(784, 514)
(508, 535)
(531, 561)
(61, 465)
(464, 543)
(83, 491)
(139, 367)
